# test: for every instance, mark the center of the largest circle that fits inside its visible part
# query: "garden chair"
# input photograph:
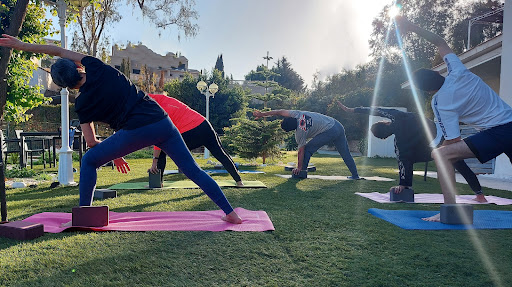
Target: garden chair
(28, 148)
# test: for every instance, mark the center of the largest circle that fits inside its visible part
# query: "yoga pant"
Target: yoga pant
(490, 143)
(405, 169)
(162, 134)
(335, 135)
(469, 175)
(205, 135)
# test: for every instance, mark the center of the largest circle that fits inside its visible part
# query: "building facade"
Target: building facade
(140, 57)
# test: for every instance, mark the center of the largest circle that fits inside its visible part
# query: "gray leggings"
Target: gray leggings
(335, 135)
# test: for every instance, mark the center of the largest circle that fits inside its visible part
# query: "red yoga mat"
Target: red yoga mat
(162, 221)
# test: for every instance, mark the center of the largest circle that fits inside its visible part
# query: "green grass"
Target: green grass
(324, 237)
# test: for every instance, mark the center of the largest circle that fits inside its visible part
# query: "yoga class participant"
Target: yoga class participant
(412, 144)
(320, 130)
(196, 132)
(106, 95)
(461, 96)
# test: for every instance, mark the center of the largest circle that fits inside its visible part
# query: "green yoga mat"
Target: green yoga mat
(186, 184)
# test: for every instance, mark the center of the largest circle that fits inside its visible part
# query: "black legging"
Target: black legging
(204, 135)
(469, 176)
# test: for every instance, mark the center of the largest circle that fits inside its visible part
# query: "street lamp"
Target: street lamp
(208, 92)
(65, 173)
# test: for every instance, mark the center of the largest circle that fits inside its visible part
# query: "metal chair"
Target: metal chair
(7, 146)
(28, 148)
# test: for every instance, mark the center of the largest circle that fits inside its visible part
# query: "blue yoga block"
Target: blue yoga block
(155, 180)
(407, 195)
(457, 213)
(302, 174)
(105, 193)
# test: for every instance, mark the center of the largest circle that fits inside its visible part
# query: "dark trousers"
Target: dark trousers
(205, 135)
(163, 134)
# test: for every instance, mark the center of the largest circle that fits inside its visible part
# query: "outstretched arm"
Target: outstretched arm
(386, 113)
(12, 42)
(345, 108)
(407, 26)
(283, 113)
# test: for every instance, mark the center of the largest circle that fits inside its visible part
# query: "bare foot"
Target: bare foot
(232, 218)
(480, 198)
(239, 184)
(67, 224)
(435, 218)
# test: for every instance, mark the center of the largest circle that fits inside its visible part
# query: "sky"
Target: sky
(323, 36)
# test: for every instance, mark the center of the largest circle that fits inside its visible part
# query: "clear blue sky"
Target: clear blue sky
(315, 35)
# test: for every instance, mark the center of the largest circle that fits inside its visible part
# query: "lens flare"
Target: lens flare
(394, 11)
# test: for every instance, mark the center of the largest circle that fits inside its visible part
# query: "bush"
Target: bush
(44, 176)
(290, 142)
(19, 172)
(142, 153)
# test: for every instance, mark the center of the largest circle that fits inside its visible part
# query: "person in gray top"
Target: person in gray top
(319, 130)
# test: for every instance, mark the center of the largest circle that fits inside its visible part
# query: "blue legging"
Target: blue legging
(163, 134)
(335, 135)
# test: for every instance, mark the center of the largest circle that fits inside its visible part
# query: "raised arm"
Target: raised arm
(386, 113)
(407, 26)
(283, 113)
(12, 42)
(345, 108)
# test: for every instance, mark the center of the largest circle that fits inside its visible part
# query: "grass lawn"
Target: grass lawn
(324, 237)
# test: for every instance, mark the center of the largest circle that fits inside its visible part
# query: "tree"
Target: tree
(16, 96)
(219, 64)
(432, 15)
(92, 23)
(167, 13)
(479, 33)
(126, 67)
(12, 22)
(258, 75)
(228, 102)
(282, 73)
(147, 81)
(251, 139)
(287, 77)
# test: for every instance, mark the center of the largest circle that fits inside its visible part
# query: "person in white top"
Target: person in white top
(461, 96)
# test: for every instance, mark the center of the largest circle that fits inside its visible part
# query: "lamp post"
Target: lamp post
(208, 92)
(65, 173)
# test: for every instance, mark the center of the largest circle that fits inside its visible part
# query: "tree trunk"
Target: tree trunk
(17, 16)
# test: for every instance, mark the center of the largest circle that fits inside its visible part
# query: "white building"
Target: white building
(170, 66)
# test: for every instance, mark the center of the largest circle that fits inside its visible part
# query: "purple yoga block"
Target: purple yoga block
(90, 216)
(457, 213)
(21, 230)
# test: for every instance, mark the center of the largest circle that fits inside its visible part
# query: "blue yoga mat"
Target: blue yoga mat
(412, 219)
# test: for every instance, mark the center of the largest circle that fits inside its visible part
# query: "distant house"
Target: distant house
(169, 66)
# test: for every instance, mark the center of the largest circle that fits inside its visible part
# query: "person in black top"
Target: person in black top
(106, 95)
(411, 144)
